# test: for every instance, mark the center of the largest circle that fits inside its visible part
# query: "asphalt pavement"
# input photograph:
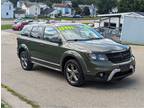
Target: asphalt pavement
(50, 90)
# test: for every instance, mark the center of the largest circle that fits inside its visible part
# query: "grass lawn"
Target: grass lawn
(5, 27)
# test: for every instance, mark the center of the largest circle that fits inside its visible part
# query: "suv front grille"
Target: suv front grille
(119, 57)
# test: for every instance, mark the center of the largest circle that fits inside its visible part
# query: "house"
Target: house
(62, 8)
(32, 9)
(7, 9)
(91, 7)
(19, 13)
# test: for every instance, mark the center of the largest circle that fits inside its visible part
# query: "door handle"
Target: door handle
(41, 44)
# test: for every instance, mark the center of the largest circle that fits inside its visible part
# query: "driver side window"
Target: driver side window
(50, 34)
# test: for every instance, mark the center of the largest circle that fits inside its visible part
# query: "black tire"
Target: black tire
(25, 61)
(73, 73)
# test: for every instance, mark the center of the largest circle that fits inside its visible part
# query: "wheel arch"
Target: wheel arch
(73, 55)
(21, 48)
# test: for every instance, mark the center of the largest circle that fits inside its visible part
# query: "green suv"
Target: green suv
(77, 50)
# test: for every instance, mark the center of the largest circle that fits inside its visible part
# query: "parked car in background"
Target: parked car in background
(75, 49)
(19, 25)
(77, 16)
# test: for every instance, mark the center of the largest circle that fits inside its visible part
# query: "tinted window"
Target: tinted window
(37, 32)
(50, 34)
(26, 30)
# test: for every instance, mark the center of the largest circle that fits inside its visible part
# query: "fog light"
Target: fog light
(101, 74)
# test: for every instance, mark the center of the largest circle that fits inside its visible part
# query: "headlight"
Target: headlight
(98, 56)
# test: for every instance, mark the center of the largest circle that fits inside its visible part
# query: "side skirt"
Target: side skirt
(46, 66)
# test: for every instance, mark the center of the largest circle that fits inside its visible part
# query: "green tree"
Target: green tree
(86, 11)
(14, 2)
(78, 10)
(105, 6)
(131, 5)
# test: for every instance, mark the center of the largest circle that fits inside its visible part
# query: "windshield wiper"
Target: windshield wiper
(84, 39)
(93, 38)
(75, 39)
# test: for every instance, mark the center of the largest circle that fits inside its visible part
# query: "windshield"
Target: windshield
(79, 32)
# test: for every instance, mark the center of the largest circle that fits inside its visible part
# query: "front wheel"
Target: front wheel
(25, 61)
(73, 73)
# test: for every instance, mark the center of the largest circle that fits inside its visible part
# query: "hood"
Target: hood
(102, 45)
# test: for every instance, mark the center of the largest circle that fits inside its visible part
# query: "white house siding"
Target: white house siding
(34, 10)
(7, 10)
(133, 30)
(25, 8)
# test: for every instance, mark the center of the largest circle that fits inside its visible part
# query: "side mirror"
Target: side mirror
(56, 40)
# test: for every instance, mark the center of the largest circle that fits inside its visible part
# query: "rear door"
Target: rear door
(35, 41)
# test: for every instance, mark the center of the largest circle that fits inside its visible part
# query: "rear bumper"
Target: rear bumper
(111, 71)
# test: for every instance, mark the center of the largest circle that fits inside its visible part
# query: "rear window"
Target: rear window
(26, 31)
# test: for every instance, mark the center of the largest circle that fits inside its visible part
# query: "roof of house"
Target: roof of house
(61, 5)
(141, 13)
(19, 11)
(121, 14)
(47, 11)
(29, 4)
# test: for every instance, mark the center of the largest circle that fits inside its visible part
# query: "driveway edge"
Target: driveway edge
(15, 99)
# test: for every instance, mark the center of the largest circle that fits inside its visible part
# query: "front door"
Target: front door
(45, 50)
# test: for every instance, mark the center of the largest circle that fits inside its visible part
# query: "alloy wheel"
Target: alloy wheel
(72, 73)
(24, 60)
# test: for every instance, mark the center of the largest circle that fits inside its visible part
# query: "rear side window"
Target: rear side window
(26, 31)
(37, 32)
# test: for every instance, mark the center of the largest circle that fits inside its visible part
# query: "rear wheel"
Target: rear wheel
(25, 61)
(73, 73)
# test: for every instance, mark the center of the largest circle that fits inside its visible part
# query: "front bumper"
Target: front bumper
(107, 71)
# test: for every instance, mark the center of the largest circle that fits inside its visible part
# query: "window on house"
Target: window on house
(7, 13)
(66, 11)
